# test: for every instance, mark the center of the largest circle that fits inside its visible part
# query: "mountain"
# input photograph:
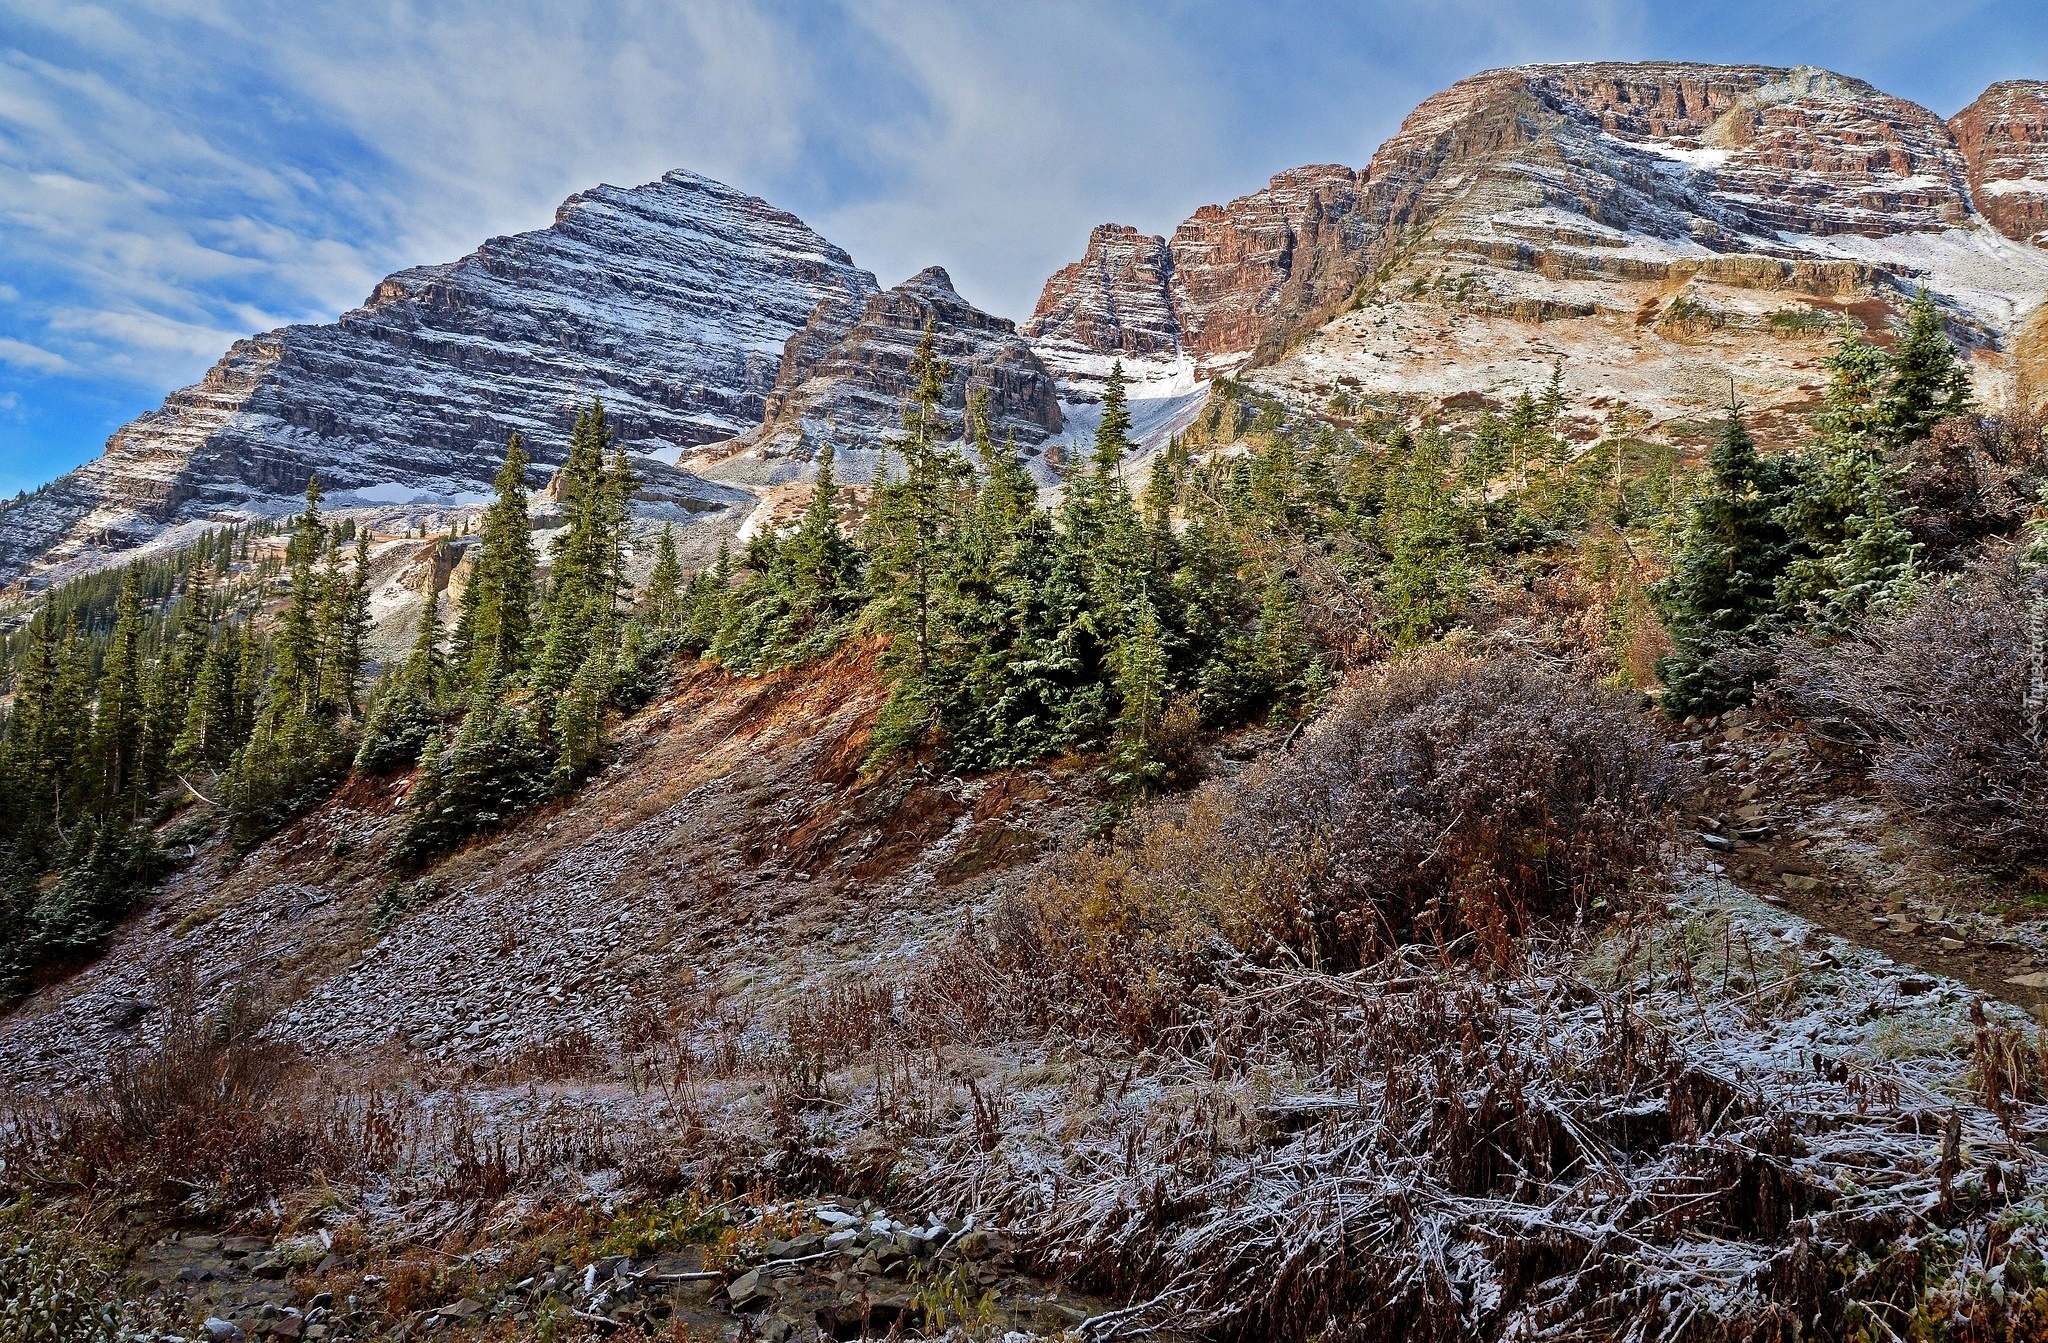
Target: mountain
(1670, 232)
(1658, 227)
(845, 377)
(674, 300)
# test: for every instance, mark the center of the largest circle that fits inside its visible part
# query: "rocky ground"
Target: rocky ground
(813, 1271)
(730, 854)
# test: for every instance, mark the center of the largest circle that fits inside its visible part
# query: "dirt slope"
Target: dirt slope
(732, 844)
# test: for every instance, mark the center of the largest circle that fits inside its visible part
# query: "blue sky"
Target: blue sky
(175, 174)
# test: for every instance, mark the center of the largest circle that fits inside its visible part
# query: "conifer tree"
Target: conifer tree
(912, 515)
(213, 723)
(1722, 592)
(118, 720)
(589, 555)
(494, 629)
(1139, 665)
(1169, 480)
(1928, 379)
(1551, 405)
(341, 666)
(1427, 575)
(1852, 407)
(1113, 434)
(665, 583)
(407, 707)
(294, 682)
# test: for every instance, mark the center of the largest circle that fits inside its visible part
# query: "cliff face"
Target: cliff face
(1648, 223)
(2004, 138)
(845, 378)
(1661, 229)
(673, 300)
(1116, 299)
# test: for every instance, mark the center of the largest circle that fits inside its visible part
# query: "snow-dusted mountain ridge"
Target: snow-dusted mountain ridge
(672, 300)
(1659, 227)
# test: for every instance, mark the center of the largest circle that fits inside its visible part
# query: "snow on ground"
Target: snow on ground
(1163, 396)
(1997, 280)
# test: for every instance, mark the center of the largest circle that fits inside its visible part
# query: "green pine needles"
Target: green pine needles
(1810, 540)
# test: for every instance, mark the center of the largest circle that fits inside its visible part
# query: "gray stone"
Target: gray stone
(747, 1289)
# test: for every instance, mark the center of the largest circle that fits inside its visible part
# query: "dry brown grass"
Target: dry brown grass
(218, 1118)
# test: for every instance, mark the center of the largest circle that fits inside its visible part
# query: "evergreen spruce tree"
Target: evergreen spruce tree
(910, 526)
(33, 794)
(213, 722)
(911, 516)
(293, 753)
(294, 684)
(118, 720)
(579, 723)
(494, 629)
(1929, 381)
(1721, 595)
(707, 601)
(1139, 665)
(1113, 433)
(348, 629)
(1427, 577)
(1550, 406)
(581, 583)
(665, 583)
(406, 710)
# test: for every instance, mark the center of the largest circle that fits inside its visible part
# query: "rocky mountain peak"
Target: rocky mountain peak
(674, 299)
(1117, 299)
(932, 280)
(1643, 221)
(1236, 265)
(846, 379)
(2004, 137)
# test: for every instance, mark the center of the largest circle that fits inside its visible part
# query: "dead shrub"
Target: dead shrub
(1460, 803)
(1973, 478)
(215, 1114)
(1932, 701)
(844, 1022)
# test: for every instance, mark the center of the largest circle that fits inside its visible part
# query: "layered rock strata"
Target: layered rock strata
(846, 378)
(673, 300)
(2004, 138)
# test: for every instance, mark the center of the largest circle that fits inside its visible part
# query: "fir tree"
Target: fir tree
(1113, 434)
(294, 682)
(1929, 381)
(1139, 665)
(118, 720)
(348, 629)
(912, 516)
(1722, 592)
(664, 584)
(407, 708)
(494, 629)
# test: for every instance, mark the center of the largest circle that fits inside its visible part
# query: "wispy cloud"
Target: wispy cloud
(21, 354)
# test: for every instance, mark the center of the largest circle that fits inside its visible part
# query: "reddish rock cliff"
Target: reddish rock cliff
(2004, 136)
(1115, 300)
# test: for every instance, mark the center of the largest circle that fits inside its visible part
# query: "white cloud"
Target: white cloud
(21, 354)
